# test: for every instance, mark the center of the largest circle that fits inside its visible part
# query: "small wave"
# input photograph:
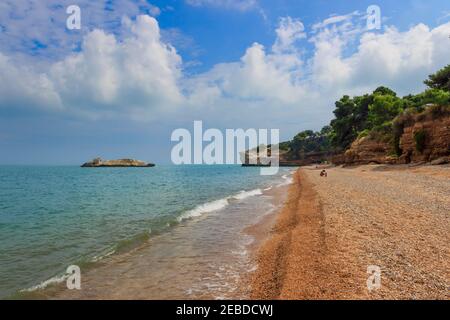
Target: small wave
(287, 180)
(242, 252)
(204, 208)
(245, 194)
(103, 255)
(217, 204)
(46, 283)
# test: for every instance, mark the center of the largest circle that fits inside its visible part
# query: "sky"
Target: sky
(136, 69)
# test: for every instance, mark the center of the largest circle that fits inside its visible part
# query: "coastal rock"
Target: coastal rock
(439, 161)
(98, 162)
(432, 147)
(365, 151)
(436, 142)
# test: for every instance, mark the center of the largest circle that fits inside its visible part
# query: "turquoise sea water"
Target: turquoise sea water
(52, 217)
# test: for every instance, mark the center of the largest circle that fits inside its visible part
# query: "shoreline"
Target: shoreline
(331, 229)
(316, 242)
(182, 243)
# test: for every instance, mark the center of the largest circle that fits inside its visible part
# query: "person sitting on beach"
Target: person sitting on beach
(323, 173)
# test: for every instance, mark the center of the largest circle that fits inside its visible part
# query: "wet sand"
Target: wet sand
(331, 229)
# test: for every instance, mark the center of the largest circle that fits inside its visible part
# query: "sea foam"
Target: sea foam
(245, 194)
(46, 283)
(204, 208)
(287, 180)
(217, 205)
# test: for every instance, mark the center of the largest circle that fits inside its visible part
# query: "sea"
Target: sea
(167, 232)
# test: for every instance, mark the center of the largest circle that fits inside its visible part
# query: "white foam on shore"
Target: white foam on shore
(287, 180)
(245, 194)
(61, 278)
(204, 208)
(46, 283)
(217, 204)
(103, 255)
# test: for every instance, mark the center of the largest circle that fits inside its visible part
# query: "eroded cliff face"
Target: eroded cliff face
(364, 151)
(425, 140)
(436, 141)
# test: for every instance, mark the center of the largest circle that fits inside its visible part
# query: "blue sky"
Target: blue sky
(139, 69)
(223, 34)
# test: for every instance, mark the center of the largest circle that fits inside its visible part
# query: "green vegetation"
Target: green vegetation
(420, 137)
(440, 80)
(306, 142)
(381, 115)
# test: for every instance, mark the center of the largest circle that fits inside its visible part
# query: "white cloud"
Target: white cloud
(136, 76)
(258, 76)
(334, 19)
(288, 33)
(398, 59)
(21, 87)
(40, 26)
(445, 16)
(154, 10)
(141, 76)
(277, 86)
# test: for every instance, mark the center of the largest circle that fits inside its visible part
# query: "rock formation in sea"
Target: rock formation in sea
(98, 162)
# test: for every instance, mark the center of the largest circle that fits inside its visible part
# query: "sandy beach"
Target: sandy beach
(331, 229)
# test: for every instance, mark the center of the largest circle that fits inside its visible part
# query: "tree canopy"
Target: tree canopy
(440, 80)
(372, 113)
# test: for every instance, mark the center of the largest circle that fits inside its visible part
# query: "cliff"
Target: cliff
(423, 137)
(427, 140)
(98, 162)
(364, 151)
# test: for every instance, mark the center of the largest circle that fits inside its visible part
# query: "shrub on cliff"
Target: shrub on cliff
(426, 98)
(420, 138)
(439, 111)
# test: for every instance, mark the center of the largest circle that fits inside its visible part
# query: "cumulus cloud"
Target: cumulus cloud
(136, 76)
(259, 76)
(39, 26)
(393, 58)
(280, 86)
(21, 87)
(345, 59)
